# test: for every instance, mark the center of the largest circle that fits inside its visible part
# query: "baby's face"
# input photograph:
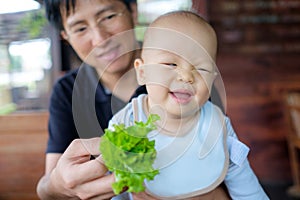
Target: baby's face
(177, 66)
(178, 86)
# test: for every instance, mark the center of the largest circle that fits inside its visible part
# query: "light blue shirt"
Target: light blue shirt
(240, 180)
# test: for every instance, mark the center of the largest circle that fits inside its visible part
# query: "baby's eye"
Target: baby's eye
(203, 70)
(170, 64)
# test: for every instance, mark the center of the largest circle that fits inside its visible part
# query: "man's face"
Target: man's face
(90, 30)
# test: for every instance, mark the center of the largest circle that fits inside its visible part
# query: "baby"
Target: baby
(197, 148)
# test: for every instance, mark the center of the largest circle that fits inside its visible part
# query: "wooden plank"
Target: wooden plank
(22, 154)
(254, 92)
(20, 122)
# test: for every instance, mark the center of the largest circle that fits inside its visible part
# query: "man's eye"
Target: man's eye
(79, 30)
(109, 17)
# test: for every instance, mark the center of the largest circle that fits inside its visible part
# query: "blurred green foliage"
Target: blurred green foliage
(33, 23)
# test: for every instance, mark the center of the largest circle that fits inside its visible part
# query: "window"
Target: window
(148, 10)
(30, 72)
(25, 62)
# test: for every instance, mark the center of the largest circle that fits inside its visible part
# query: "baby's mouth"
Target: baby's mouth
(181, 96)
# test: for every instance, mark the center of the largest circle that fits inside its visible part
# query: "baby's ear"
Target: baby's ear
(139, 69)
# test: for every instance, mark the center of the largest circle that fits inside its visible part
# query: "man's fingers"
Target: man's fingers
(83, 147)
(98, 186)
(90, 170)
(106, 196)
(77, 159)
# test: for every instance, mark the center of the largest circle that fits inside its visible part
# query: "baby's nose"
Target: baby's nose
(185, 75)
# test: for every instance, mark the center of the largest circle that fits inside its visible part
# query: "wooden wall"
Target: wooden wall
(259, 49)
(254, 87)
(23, 139)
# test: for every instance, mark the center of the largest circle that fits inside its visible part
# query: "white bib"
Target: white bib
(193, 164)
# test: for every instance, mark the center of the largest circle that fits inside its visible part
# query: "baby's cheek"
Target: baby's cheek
(157, 91)
(207, 80)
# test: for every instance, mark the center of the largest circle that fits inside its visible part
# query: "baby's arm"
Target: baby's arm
(243, 184)
(240, 180)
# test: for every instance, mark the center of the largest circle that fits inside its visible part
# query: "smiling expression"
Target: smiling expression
(177, 64)
(89, 30)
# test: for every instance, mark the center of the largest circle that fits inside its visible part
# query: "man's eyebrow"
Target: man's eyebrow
(72, 24)
(101, 11)
(107, 8)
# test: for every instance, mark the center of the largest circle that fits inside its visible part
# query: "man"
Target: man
(82, 99)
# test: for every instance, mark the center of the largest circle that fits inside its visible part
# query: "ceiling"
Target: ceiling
(9, 28)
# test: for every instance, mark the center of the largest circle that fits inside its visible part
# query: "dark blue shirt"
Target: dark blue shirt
(80, 107)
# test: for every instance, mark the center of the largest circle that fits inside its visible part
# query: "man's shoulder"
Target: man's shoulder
(85, 75)
(140, 90)
(63, 86)
(68, 77)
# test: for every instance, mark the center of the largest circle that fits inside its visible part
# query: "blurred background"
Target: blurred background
(259, 60)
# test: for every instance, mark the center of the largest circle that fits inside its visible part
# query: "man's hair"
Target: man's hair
(53, 11)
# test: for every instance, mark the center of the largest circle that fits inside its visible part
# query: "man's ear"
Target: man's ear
(64, 35)
(134, 12)
(140, 74)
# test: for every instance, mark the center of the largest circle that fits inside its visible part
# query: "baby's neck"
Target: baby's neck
(177, 127)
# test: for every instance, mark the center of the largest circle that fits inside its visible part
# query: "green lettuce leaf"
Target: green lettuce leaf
(128, 153)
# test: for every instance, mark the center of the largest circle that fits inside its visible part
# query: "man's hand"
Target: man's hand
(75, 175)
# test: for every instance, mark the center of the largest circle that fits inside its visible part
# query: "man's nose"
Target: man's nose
(185, 75)
(98, 35)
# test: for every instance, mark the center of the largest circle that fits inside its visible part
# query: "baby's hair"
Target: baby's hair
(184, 13)
(189, 17)
(193, 15)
